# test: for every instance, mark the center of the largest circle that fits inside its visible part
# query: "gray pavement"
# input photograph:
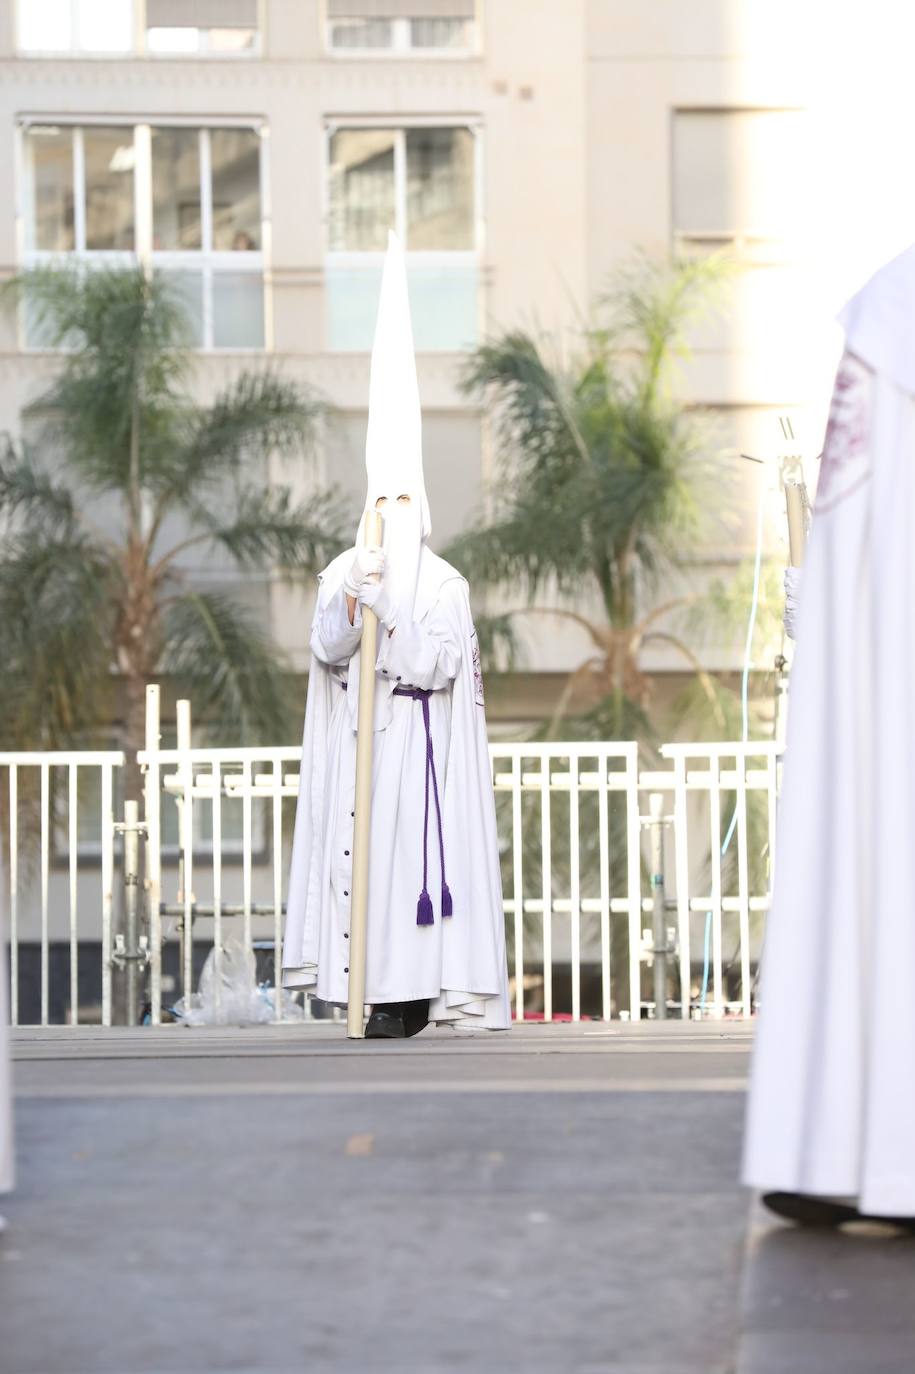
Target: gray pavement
(274, 1200)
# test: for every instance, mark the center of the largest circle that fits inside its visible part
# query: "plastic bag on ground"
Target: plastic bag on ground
(237, 1000)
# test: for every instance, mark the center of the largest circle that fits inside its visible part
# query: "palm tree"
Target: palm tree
(601, 484)
(128, 474)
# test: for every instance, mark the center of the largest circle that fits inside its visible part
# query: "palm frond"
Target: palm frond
(267, 528)
(124, 356)
(219, 655)
(498, 640)
(259, 414)
(652, 306)
(31, 498)
(57, 600)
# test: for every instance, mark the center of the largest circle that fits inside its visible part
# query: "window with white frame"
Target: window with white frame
(423, 183)
(421, 27)
(187, 199)
(738, 180)
(118, 28)
(218, 28)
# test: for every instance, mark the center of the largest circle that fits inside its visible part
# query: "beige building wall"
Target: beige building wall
(575, 106)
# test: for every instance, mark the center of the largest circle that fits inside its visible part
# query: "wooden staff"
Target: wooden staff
(365, 738)
(797, 522)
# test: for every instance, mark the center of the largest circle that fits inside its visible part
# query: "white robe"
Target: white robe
(831, 1108)
(458, 962)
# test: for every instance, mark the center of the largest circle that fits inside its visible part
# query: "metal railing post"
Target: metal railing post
(152, 808)
(132, 948)
(660, 948)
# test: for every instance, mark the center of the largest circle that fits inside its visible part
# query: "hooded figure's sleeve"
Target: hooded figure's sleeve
(333, 639)
(425, 653)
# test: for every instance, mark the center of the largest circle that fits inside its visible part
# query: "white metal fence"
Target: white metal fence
(600, 880)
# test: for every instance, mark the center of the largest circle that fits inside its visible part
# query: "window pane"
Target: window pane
(443, 305)
(188, 288)
(44, 25)
(439, 189)
(231, 40)
(50, 154)
(238, 310)
(109, 188)
(361, 33)
(105, 25)
(173, 40)
(440, 33)
(737, 171)
(235, 158)
(176, 188)
(361, 189)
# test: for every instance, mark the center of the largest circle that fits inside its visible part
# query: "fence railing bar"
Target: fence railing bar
(518, 885)
(72, 853)
(45, 805)
(186, 846)
(743, 892)
(603, 821)
(217, 883)
(715, 844)
(14, 894)
(246, 851)
(546, 894)
(277, 889)
(575, 887)
(634, 874)
(681, 875)
(152, 809)
(107, 885)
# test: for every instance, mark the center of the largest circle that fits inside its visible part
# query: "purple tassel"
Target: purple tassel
(424, 913)
(447, 904)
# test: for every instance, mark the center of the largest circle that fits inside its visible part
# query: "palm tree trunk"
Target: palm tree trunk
(134, 734)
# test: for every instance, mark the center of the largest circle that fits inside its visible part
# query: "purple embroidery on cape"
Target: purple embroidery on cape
(846, 449)
(477, 671)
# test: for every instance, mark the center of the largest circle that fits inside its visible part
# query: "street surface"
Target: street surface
(278, 1200)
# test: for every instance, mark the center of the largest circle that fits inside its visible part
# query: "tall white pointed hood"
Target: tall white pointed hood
(393, 446)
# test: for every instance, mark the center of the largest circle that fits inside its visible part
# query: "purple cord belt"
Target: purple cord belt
(425, 914)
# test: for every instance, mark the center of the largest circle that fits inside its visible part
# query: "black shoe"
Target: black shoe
(416, 1016)
(806, 1210)
(386, 1023)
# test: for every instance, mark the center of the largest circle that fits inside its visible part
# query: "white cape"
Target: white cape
(468, 948)
(831, 1107)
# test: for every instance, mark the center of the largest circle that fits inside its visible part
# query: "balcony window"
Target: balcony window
(185, 199)
(202, 27)
(51, 223)
(119, 28)
(72, 27)
(396, 27)
(738, 180)
(420, 182)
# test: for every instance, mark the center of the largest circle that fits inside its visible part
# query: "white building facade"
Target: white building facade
(256, 152)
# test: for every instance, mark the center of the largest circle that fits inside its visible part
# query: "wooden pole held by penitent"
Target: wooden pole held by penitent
(355, 1010)
(797, 522)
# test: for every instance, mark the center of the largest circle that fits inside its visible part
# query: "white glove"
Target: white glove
(373, 595)
(367, 565)
(792, 599)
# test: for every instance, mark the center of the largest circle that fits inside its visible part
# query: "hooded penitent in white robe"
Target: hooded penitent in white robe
(831, 1109)
(433, 827)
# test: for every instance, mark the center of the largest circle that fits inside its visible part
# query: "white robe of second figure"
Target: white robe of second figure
(831, 1110)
